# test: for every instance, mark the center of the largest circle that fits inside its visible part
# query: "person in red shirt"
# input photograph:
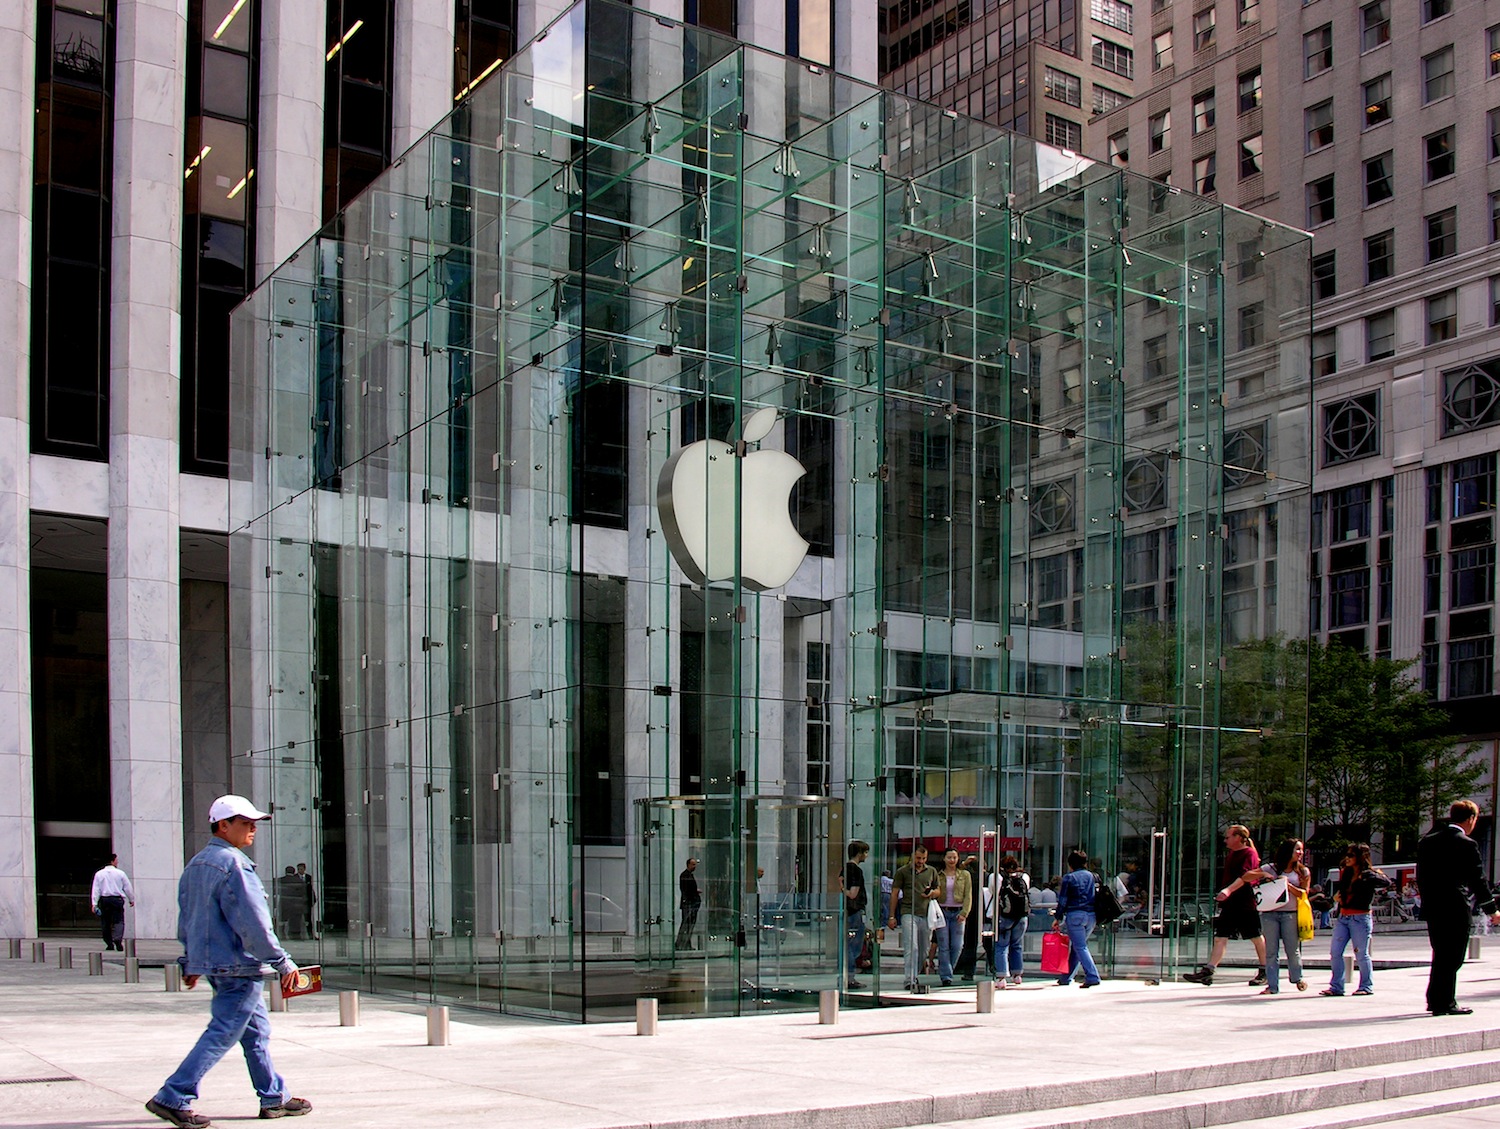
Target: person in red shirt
(1238, 919)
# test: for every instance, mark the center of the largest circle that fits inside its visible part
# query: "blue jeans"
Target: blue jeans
(1355, 927)
(1008, 937)
(854, 943)
(238, 1015)
(1078, 924)
(950, 941)
(1280, 931)
(915, 934)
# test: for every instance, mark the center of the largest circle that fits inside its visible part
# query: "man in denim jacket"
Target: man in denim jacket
(225, 928)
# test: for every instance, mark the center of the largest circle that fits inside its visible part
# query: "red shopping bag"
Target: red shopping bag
(1055, 954)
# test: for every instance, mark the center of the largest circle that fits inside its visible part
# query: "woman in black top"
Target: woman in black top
(1358, 884)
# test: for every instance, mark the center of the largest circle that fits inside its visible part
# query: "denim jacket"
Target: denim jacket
(1075, 892)
(223, 920)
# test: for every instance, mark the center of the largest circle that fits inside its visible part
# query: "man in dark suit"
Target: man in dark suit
(1452, 883)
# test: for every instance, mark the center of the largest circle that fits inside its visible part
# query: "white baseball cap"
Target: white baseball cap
(227, 807)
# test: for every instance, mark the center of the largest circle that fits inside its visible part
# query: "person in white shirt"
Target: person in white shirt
(110, 893)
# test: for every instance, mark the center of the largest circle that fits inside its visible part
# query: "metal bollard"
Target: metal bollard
(278, 1001)
(38, 952)
(1473, 948)
(130, 947)
(96, 964)
(172, 974)
(348, 1009)
(1348, 968)
(65, 956)
(645, 1016)
(828, 1006)
(132, 970)
(13, 945)
(437, 1026)
(984, 997)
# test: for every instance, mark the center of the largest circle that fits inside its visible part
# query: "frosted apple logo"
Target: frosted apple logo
(695, 496)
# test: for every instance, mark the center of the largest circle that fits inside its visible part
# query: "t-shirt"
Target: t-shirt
(855, 877)
(1237, 864)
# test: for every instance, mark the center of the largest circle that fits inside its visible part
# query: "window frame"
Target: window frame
(1444, 78)
(1317, 57)
(1379, 111)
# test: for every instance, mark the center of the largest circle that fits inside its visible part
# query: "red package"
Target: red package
(1055, 949)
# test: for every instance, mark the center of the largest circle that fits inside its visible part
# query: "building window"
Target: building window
(1052, 508)
(1249, 12)
(1114, 58)
(1471, 397)
(1205, 175)
(484, 36)
(1063, 87)
(1351, 430)
(1245, 455)
(1203, 29)
(1203, 112)
(1442, 317)
(1494, 124)
(1159, 129)
(1374, 25)
(1318, 122)
(1317, 51)
(1437, 75)
(1161, 50)
(1325, 353)
(218, 209)
(1471, 667)
(1380, 335)
(1379, 179)
(1493, 43)
(1495, 299)
(1252, 325)
(1154, 363)
(1380, 256)
(70, 232)
(1494, 217)
(1324, 282)
(1320, 207)
(1113, 13)
(1377, 100)
(1064, 134)
(1442, 235)
(809, 30)
(356, 99)
(1119, 149)
(1106, 99)
(1250, 153)
(1249, 87)
(1439, 150)
(1435, 9)
(1145, 483)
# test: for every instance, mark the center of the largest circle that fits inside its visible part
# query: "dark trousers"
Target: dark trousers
(1448, 930)
(112, 921)
(685, 930)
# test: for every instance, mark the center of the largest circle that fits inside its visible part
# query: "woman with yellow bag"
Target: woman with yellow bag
(1280, 889)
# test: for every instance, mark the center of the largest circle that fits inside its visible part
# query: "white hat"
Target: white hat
(227, 807)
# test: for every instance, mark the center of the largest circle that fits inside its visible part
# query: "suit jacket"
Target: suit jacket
(1450, 874)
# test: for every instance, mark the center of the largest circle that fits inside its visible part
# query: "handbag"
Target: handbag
(1304, 917)
(1055, 952)
(1272, 895)
(935, 918)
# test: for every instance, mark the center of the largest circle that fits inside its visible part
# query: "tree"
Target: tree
(1381, 755)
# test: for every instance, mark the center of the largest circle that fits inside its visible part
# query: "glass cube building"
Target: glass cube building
(687, 452)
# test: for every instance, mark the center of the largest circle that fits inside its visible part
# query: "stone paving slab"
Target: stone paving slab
(934, 1062)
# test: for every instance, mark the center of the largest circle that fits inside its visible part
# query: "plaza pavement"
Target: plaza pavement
(932, 1062)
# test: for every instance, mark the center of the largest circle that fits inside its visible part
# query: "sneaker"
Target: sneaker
(183, 1118)
(1000, 983)
(1204, 976)
(855, 985)
(1259, 978)
(291, 1107)
(1016, 980)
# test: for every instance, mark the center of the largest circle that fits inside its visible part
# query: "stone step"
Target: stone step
(1390, 1111)
(1319, 1098)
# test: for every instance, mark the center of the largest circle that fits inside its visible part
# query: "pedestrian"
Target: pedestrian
(1279, 921)
(1011, 905)
(110, 893)
(955, 899)
(1451, 878)
(1358, 883)
(1237, 919)
(225, 929)
(886, 882)
(291, 894)
(911, 889)
(1075, 917)
(969, 956)
(856, 898)
(309, 899)
(689, 900)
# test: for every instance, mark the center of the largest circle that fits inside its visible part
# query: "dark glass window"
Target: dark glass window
(1380, 256)
(1351, 430)
(71, 231)
(356, 99)
(484, 36)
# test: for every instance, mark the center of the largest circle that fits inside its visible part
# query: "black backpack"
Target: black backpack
(1107, 906)
(1014, 904)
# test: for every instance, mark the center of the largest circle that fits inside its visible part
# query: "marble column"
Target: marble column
(289, 181)
(423, 92)
(144, 561)
(17, 813)
(856, 40)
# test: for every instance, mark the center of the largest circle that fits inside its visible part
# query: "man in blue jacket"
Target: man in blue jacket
(224, 925)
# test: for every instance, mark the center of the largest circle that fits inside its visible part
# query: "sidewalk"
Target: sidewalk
(932, 1062)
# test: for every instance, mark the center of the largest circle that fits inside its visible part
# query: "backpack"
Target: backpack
(1014, 904)
(1107, 906)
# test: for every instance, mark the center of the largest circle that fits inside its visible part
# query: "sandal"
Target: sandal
(1363, 992)
(1301, 985)
(1329, 992)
